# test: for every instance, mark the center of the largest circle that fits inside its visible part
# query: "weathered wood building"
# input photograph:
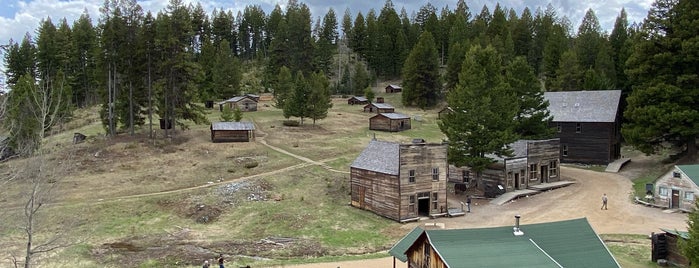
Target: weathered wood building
(232, 131)
(401, 182)
(533, 162)
(444, 111)
(570, 243)
(392, 122)
(379, 108)
(588, 124)
(391, 88)
(357, 100)
(244, 103)
(678, 187)
(665, 246)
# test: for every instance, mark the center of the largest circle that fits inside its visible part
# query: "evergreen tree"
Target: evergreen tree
(319, 101)
(556, 45)
(326, 46)
(360, 79)
(532, 120)
(226, 72)
(620, 49)
(522, 34)
(85, 43)
(484, 111)
(227, 114)
(589, 40)
(284, 88)
(296, 104)
(454, 63)
(568, 76)
(421, 83)
(690, 247)
(300, 41)
(346, 25)
(22, 126)
(389, 46)
(358, 36)
(237, 114)
(251, 32)
(663, 67)
(20, 60)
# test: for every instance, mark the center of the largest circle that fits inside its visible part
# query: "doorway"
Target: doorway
(675, 199)
(544, 174)
(516, 181)
(423, 204)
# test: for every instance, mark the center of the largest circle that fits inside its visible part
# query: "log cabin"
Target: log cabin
(392, 122)
(400, 181)
(588, 124)
(232, 131)
(244, 103)
(569, 243)
(391, 88)
(379, 108)
(665, 246)
(357, 100)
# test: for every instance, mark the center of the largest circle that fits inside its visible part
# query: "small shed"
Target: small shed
(678, 187)
(391, 88)
(389, 122)
(379, 108)
(357, 100)
(232, 131)
(665, 246)
(244, 103)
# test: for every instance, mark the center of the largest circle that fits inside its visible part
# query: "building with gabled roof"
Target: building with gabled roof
(357, 100)
(665, 246)
(391, 88)
(569, 243)
(389, 122)
(232, 131)
(401, 181)
(244, 103)
(379, 108)
(677, 188)
(588, 124)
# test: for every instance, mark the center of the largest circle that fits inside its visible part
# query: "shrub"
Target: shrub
(251, 164)
(291, 123)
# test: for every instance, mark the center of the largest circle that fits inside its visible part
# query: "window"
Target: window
(411, 176)
(559, 127)
(427, 250)
(411, 204)
(676, 175)
(578, 127)
(532, 172)
(435, 200)
(565, 150)
(435, 174)
(466, 175)
(662, 191)
(689, 196)
(553, 168)
(509, 180)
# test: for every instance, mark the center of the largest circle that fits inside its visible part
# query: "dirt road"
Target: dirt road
(582, 199)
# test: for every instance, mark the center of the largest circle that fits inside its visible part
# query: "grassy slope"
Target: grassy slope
(311, 205)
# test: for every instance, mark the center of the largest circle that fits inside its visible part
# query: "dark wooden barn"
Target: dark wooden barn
(391, 88)
(533, 162)
(379, 108)
(232, 131)
(665, 246)
(244, 103)
(357, 100)
(588, 124)
(393, 122)
(402, 182)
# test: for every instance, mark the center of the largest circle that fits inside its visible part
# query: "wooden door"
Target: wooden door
(544, 174)
(362, 192)
(675, 199)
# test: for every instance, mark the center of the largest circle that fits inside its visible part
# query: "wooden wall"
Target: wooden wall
(422, 158)
(386, 124)
(674, 253)
(544, 153)
(416, 255)
(597, 143)
(251, 105)
(376, 192)
(681, 184)
(231, 135)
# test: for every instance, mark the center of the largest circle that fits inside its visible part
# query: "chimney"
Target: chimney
(516, 230)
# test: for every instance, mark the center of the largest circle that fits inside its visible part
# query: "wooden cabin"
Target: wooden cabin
(533, 162)
(253, 97)
(232, 131)
(379, 108)
(588, 124)
(379, 100)
(677, 188)
(391, 88)
(569, 243)
(357, 100)
(665, 246)
(244, 103)
(402, 182)
(392, 122)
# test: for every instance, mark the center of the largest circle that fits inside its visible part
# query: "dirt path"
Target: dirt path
(582, 199)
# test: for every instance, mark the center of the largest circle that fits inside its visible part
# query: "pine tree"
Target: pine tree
(360, 79)
(620, 49)
(284, 88)
(296, 104)
(326, 46)
(454, 63)
(319, 101)
(589, 40)
(663, 67)
(421, 83)
(227, 114)
(522, 34)
(568, 76)
(347, 24)
(532, 120)
(20, 60)
(226, 72)
(484, 111)
(85, 43)
(690, 247)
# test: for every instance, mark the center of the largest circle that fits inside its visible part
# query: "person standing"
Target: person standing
(220, 260)
(604, 202)
(468, 204)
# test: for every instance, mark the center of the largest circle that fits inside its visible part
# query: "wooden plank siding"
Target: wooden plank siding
(423, 159)
(376, 192)
(588, 142)
(384, 123)
(232, 135)
(418, 258)
(545, 157)
(674, 253)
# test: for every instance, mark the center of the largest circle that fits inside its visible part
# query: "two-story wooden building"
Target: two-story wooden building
(588, 124)
(401, 181)
(533, 162)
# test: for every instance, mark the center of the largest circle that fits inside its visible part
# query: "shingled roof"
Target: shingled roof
(584, 106)
(379, 156)
(393, 115)
(571, 243)
(237, 99)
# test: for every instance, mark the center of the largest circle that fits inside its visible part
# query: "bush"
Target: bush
(291, 123)
(251, 164)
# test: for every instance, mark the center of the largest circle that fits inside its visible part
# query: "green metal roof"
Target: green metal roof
(682, 234)
(398, 250)
(692, 171)
(571, 243)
